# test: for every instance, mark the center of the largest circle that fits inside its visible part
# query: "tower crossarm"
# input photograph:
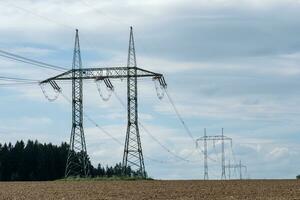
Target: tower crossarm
(235, 166)
(214, 138)
(106, 73)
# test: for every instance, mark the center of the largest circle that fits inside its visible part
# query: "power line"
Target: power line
(6, 78)
(29, 61)
(15, 59)
(66, 26)
(183, 123)
(110, 135)
(44, 65)
(31, 81)
(162, 145)
(114, 19)
(94, 122)
(38, 15)
(152, 137)
(13, 81)
(18, 84)
(155, 139)
(40, 64)
(143, 127)
(179, 116)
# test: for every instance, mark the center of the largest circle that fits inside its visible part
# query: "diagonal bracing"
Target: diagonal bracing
(132, 156)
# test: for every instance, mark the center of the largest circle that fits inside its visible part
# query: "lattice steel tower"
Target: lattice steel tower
(133, 155)
(205, 139)
(77, 162)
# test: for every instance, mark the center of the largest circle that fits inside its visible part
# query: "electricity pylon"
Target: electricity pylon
(132, 156)
(77, 162)
(237, 166)
(206, 138)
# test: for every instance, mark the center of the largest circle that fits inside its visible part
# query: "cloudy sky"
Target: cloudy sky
(229, 64)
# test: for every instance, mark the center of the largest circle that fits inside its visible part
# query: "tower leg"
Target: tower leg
(205, 157)
(223, 177)
(240, 167)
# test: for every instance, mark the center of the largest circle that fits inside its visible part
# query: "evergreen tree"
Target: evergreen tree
(39, 162)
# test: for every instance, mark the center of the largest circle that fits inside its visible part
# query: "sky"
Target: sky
(229, 64)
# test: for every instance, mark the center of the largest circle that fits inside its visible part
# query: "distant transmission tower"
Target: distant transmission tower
(133, 155)
(237, 166)
(77, 163)
(206, 138)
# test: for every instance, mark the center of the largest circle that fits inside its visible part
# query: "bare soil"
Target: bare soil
(85, 190)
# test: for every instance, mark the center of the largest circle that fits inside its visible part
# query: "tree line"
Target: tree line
(35, 161)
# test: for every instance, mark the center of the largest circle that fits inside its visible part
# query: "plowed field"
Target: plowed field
(75, 190)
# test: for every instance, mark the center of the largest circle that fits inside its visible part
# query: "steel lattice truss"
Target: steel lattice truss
(133, 156)
(77, 164)
(215, 138)
(106, 73)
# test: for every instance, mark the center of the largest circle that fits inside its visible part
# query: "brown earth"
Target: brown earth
(75, 190)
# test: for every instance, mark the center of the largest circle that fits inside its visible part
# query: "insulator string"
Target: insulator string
(159, 89)
(109, 90)
(53, 98)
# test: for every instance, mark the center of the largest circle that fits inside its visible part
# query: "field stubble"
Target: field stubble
(75, 190)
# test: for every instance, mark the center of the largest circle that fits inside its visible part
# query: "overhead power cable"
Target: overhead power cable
(18, 84)
(186, 128)
(154, 138)
(6, 78)
(16, 57)
(179, 116)
(29, 61)
(108, 134)
(13, 81)
(94, 122)
(162, 145)
(57, 22)
(101, 12)
(37, 15)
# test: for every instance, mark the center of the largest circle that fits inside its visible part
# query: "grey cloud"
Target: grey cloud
(226, 33)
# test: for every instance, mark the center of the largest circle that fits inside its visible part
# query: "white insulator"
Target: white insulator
(52, 98)
(159, 90)
(109, 90)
